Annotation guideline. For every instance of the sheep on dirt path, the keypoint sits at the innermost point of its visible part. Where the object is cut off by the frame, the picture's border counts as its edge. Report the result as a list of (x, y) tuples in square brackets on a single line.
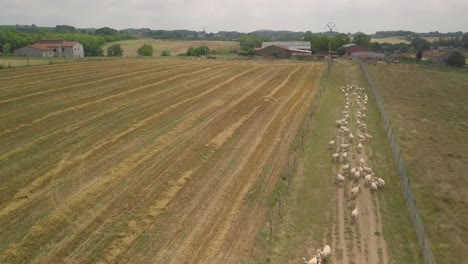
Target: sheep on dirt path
[(340, 179), (323, 254), (374, 187), (355, 191), (354, 214), (313, 260)]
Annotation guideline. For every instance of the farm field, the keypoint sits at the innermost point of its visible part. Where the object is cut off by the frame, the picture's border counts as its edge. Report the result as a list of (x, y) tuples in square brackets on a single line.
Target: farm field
[(316, 211), (144, 161), (429, 108), (175, 46), (391, 40)]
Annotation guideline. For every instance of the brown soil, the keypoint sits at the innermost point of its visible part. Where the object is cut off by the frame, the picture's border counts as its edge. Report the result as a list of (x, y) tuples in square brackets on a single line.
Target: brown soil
[(153, 165)]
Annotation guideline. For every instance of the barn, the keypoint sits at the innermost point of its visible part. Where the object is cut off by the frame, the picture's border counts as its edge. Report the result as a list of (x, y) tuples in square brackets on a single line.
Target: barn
[(351, 48), (435, 56), (283, 50)]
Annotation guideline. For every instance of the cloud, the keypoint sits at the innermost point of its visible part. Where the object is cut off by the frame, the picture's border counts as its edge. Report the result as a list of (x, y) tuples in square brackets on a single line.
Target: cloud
[(243, 15)]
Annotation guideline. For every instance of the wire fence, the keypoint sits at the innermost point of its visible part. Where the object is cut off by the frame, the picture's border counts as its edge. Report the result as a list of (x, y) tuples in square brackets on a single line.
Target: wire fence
[(402, 173)]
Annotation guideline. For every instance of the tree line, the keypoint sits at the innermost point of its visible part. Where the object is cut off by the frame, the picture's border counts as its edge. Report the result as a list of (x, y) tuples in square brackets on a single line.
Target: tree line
[(12, 38)]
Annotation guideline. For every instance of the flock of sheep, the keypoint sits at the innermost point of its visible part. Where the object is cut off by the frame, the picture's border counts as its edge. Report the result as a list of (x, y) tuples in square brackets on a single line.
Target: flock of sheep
[(344, 144), (347, 151)]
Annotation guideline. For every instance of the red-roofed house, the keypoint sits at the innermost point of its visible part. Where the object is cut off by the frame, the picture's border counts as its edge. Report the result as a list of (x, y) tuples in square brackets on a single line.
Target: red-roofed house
[(52, 48), (435, 56)]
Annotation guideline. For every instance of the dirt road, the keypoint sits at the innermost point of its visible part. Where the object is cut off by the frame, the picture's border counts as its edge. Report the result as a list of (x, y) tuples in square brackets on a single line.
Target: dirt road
[(360, 241)]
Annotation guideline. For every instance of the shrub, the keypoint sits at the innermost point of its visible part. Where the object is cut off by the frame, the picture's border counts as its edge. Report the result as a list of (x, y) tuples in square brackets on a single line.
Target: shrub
[(456, 59), (165, 53), (145, 50), (115, 51)]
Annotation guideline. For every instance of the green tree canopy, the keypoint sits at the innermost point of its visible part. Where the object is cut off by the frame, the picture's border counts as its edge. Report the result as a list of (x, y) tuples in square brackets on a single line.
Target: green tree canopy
[(106, 31), (456, 59), (115, 50), (251, 41), (362, 40), (421, 44), (6, 49), (145, 50)]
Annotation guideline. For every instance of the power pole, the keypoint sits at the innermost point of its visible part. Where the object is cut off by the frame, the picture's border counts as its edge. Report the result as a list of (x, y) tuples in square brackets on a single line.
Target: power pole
[(330, 26)]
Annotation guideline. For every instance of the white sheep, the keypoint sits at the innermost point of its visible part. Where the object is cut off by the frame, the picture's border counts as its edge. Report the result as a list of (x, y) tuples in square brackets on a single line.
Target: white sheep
[(323, 254), (353, 170), (357, 175), (359, 147), (336, 156), (361, 161), (344, 156), (366, 169), (346, 168), (368, 137), (340, 179), (374, 187), (354, 214), (368, 179), (351, 137), (313, 260), (380, 182), (355, 191), (332, 144), (345, 146)]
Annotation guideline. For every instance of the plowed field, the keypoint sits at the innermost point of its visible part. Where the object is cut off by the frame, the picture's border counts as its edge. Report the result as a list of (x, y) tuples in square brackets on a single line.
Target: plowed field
[(148, 161)]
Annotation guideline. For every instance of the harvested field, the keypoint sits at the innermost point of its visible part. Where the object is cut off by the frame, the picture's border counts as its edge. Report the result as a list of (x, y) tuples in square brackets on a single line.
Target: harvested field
[(428, 108), (144, 161), (175, 47)]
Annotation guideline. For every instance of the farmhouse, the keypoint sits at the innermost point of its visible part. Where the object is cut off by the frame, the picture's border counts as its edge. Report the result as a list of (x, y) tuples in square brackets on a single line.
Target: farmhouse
[(351, 48), (281, 52), (52, 48), (434, 56)]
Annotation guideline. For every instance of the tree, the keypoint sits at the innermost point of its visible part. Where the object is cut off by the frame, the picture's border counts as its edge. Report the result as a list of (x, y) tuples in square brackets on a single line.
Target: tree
[(202, 51), (362, 40), (6, 48), (251, 41), (464, 41), (420, 44), (456, 59), (145, 50), (115, 50), (65, 29), (419, 55), (106, 31), (165, 53)]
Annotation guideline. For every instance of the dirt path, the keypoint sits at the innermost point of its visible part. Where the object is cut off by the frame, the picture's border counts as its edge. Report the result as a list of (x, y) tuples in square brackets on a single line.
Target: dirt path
[(362, 241)]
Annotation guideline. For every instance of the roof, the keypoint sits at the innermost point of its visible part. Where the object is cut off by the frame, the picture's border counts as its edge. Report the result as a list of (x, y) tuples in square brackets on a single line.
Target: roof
[(301, 45), (433, 54), (286, 48), (349, 45), (48, 44)]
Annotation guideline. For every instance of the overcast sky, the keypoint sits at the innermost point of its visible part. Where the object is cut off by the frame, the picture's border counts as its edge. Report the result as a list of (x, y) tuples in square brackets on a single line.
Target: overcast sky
[(243, 15)]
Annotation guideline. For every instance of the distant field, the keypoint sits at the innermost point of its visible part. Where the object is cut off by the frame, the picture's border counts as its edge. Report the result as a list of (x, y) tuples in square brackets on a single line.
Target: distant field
[(429, 109), (395, 40), (175, 46), (144, 161), (392, 40)]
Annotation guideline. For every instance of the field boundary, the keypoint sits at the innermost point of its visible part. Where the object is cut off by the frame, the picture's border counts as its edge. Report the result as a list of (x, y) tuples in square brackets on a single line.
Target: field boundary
[(402, 172)]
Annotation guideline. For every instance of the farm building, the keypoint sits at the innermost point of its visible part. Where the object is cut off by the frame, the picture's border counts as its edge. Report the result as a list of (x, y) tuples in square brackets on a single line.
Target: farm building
[(369, 54), (52, 48), (293, 45), (281, 52), (434, 56), (351, 48)]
